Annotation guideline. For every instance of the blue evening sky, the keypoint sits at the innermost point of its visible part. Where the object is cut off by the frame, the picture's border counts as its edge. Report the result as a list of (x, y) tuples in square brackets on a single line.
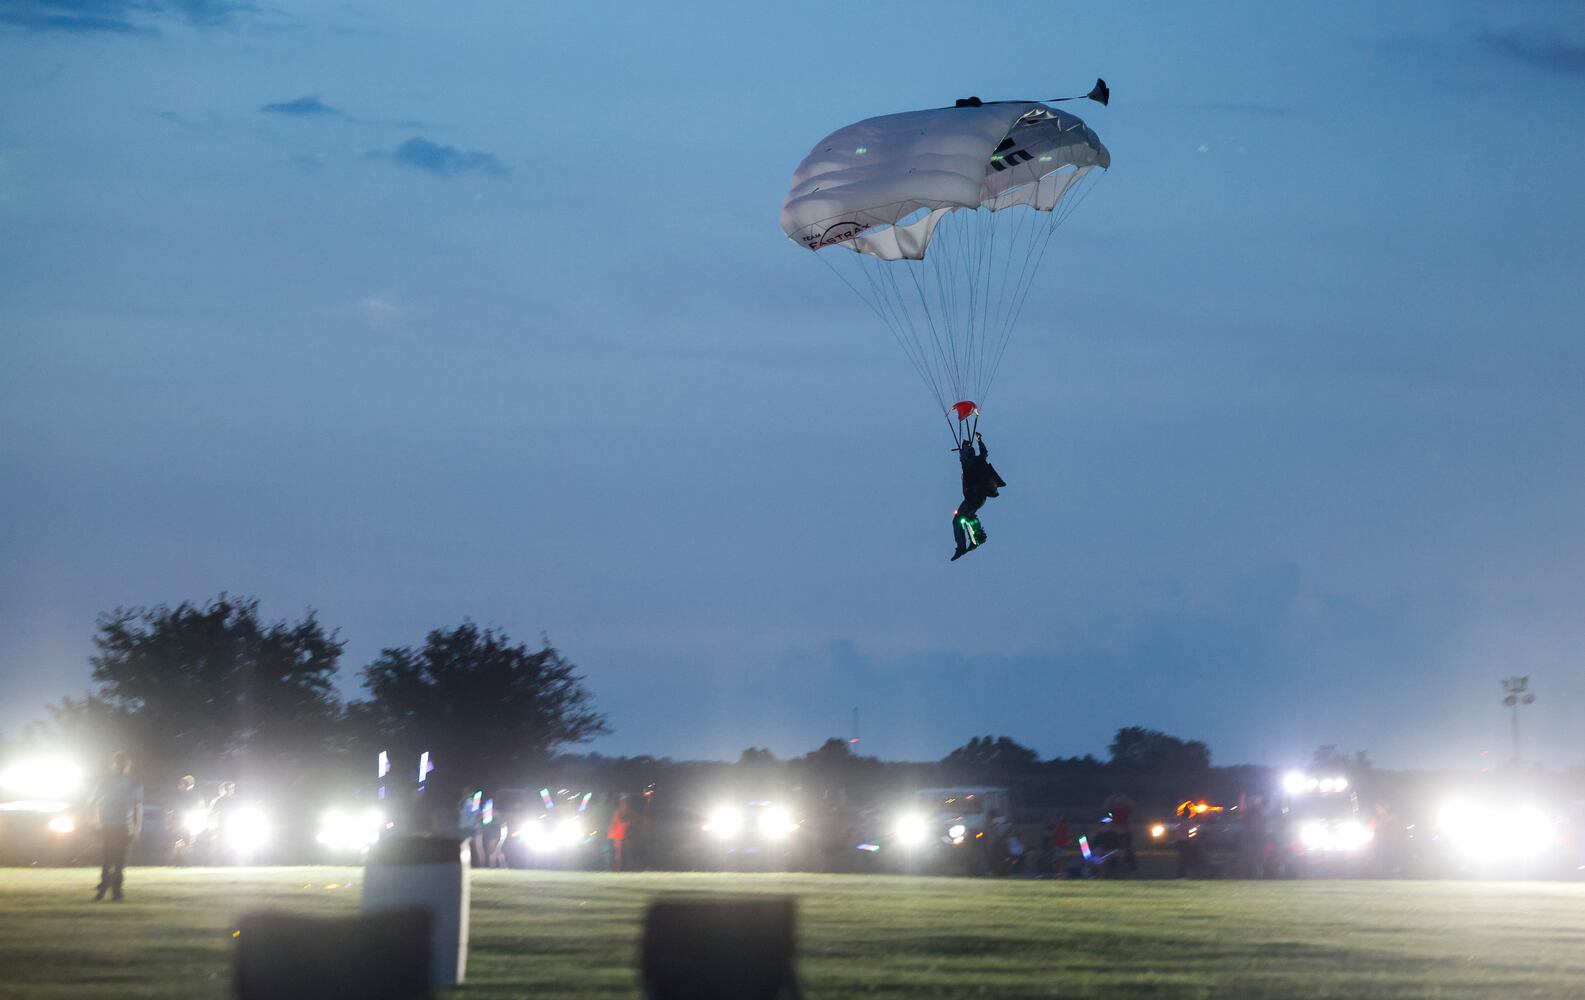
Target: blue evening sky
[(423, 311)]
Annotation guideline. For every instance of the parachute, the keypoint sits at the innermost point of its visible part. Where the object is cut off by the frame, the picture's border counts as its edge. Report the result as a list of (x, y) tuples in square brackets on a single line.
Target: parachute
[(941, 220)]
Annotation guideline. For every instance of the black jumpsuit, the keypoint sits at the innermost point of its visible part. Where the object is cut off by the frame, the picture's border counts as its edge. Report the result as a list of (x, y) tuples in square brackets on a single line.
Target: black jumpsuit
[(980, 482)]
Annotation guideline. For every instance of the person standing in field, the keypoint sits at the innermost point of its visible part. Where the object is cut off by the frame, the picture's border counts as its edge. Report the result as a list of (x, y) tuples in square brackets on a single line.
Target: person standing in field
[(188, 819), (117, 809), (617, 831), (470, 825)]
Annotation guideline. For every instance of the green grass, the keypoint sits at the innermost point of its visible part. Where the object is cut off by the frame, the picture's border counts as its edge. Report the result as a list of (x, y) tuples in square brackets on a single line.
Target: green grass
[(558, 934)]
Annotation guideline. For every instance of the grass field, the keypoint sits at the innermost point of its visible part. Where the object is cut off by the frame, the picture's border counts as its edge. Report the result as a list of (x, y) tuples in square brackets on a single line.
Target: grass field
[(555, 934)]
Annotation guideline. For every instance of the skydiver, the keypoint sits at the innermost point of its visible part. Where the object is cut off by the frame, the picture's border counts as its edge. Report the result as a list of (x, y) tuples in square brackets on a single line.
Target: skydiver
[(980, 482)]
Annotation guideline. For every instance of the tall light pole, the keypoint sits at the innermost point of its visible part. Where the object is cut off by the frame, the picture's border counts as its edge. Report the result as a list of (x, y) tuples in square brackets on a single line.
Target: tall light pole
[(1515, 693)]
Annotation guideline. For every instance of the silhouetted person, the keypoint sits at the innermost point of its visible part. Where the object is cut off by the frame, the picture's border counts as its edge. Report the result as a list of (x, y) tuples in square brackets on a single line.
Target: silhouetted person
[(1121, 809), (639, 845), (470, 825), (117, 809), (186, 810)]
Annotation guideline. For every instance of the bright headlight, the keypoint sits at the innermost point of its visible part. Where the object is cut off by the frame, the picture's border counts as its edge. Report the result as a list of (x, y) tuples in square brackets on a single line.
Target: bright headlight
[(1351, 835), (1456, 815), (538, 836), (1530, 832), (342, 831), (1313, 835), (725, 822), (43, 778), (62, 824), (776, 822), (911, 830), (247, 829), (1346, 835), (1293, 783), (195, 822), (570, 832), (1158, 830), (1469, 827), (957, 830)]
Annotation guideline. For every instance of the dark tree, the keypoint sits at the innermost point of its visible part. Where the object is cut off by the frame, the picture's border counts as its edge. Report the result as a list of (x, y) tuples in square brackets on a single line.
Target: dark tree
[(1000, 752), (91, 728), (195, 685), (756, 757), (1140, 749), (834, 752), (486, 708)]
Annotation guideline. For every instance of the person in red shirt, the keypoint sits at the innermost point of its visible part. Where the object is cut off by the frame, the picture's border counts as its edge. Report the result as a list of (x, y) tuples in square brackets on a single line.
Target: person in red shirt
[(616, 832)]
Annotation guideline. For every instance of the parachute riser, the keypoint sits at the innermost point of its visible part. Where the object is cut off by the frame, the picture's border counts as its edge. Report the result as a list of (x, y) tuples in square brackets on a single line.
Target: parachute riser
[(958, 437)]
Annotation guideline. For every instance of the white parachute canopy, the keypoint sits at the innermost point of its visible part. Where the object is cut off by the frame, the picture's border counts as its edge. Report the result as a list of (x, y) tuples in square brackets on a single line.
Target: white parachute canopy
[(920, 200)]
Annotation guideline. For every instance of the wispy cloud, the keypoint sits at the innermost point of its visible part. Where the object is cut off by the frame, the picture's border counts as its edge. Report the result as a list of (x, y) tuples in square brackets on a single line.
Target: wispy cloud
[(444, 161), (115, 17), (208, 13), (78, 17), (380, 311), (1544, 50), (209, 123), (308, 106)]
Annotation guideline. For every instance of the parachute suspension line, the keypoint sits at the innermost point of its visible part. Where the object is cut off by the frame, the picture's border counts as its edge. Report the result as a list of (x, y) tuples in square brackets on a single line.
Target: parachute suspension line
[(937, 317), (924, 305), (885, 278), (990, 299), (1063, 212), (873, 303), (982, 274), (987, 297), (1027, 271), (1017, 242), (974, 248), (942, 263), (942, 267), (986, 300), (973, 245), (931, 268), (1029, 231), (944, 288)]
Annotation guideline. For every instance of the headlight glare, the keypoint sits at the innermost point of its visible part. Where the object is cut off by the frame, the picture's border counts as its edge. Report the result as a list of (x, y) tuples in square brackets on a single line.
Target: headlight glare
[(776, 822), (247, 829), (195, 822), (911, 830), (537, 834), (570, 832), (725, 822)]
